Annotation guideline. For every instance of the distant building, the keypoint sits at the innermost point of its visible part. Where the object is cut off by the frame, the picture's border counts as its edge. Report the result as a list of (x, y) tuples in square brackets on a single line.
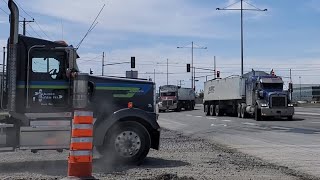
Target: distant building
[(306, 92)]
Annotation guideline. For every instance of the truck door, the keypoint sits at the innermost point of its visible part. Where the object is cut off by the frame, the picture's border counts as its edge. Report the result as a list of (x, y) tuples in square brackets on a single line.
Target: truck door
[(49, 87)]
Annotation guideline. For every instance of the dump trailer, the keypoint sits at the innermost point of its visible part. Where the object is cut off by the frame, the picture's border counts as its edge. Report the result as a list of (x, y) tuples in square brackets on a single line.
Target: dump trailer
[(175, 98), (43, 88), (257, 94)]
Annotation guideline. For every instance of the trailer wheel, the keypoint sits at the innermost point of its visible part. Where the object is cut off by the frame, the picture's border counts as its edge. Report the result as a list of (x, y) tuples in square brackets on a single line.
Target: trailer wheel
[(239, 110), (257, 114), (126, 143), (178, 108), (207, 110), (212, 112), (218, 110)]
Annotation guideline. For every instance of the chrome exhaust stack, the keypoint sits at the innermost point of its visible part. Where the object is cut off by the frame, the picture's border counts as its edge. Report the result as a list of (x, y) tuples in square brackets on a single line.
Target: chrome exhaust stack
[(12, 56)]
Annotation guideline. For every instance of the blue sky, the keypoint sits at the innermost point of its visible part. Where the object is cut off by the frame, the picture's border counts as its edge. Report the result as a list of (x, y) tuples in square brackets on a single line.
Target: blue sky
[(284, 37)]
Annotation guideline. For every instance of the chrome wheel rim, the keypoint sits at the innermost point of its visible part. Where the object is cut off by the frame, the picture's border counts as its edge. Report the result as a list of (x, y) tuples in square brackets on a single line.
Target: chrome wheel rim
[(127, 143)]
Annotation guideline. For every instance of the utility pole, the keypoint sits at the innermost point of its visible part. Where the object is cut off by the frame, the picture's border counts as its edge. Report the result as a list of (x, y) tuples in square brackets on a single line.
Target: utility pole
[(215, 67), (154, 75), (192, 76), (24, 23), (102, 64), (2, 77), (180, 82), (192, 72), (292, 86), (241, 20), (167, 71), (300, 86)]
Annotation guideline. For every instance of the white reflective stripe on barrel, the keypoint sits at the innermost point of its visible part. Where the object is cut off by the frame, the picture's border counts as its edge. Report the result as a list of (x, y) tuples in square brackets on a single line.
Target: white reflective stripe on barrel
[(80, 153), (82, 126), (81, 139), (83, 113)]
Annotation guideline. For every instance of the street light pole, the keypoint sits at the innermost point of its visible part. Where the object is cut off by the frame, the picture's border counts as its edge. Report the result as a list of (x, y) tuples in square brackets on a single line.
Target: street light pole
[(192, 80), (192, 70), (300, 86), (241, 19), (167, 71), (241, 38)]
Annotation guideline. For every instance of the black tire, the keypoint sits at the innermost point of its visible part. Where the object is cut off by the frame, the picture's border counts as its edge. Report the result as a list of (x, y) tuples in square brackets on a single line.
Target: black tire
[(243, 111), (217, 110), (257, 114), (212, 113), (239, 111), (178, 109), (112, 155), (290, 118), (207, 110)]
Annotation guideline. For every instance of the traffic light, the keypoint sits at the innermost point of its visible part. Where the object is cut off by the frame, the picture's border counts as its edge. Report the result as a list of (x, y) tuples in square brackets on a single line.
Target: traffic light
[(188, 67), (133, 62), (91, 72), (218, 74), (290, 87)]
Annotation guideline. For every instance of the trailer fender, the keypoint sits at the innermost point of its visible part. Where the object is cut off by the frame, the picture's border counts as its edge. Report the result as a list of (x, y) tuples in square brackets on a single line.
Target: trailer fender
[(148, 120)]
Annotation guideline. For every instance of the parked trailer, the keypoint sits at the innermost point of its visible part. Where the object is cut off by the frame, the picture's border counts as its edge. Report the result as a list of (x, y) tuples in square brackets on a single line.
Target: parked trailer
[(175, 98), (43, 88), (257, 94)]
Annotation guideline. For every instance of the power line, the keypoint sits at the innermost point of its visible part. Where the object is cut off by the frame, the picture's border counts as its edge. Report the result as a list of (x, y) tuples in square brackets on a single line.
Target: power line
[(34, 31), (4, 11), (33, 20)]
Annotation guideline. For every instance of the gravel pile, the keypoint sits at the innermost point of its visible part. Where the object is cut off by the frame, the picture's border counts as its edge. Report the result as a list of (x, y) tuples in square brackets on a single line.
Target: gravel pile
[(180, 158)]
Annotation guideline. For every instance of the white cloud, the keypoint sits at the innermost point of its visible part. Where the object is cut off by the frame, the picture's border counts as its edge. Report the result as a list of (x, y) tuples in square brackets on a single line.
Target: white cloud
[(166, 17)]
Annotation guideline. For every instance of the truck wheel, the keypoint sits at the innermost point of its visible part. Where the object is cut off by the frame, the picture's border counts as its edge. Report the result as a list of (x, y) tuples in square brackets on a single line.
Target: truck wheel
[(178, 108), (290, 118), (243, 111), (257, 114), (212, 112), (126, 143), (218, 111), (239, 110), (207, 110)]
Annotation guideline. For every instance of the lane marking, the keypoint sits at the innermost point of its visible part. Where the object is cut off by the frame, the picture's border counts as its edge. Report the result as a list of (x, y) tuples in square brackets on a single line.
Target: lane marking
[(226, 120), (307, 113), (188, 115), (198, 116), (170, 121), (212, 118), (314, 122), (282, 128), (218, 125), (251, 124)]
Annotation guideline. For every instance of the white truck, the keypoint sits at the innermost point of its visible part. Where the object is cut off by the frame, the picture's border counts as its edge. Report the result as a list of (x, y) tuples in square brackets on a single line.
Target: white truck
[(257, 94), (175, 98)]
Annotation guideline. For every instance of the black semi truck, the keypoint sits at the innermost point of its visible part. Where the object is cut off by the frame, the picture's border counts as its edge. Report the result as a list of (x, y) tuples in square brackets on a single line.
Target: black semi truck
[(43, 86)]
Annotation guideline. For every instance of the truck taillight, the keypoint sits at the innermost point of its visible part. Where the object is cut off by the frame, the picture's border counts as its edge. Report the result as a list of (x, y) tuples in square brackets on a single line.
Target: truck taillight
[(130, 105)]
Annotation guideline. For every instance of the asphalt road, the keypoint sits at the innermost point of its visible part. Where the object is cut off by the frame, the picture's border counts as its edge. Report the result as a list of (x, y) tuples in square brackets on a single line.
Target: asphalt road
[(293, 144)]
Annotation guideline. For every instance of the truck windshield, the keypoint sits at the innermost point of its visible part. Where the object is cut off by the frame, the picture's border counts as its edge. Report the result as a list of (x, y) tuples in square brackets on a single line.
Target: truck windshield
[(272, 86), (168, 94)]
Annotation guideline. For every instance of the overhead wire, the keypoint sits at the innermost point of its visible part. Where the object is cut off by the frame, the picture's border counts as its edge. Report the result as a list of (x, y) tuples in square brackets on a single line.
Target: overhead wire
[(34, 31), (43, 32)]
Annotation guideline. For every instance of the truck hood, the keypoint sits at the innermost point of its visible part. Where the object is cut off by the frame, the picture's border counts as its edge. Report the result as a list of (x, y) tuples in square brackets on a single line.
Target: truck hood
[(268, 92)]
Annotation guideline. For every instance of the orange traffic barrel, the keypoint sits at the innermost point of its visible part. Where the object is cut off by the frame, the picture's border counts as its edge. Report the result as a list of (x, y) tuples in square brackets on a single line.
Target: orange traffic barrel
[(81, 144)]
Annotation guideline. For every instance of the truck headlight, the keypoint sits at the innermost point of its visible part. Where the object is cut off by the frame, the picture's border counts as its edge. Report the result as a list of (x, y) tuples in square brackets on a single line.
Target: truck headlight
[(290, 105), (264, 105)]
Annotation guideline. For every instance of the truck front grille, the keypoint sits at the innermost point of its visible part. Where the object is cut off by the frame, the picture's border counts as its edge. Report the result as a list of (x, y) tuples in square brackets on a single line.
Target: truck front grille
[(278, 101), (167, 103)]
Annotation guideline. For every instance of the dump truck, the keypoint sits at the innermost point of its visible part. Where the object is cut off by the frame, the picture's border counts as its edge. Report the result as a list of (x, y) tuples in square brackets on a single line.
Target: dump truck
[(175, 98), (256, 93), (43, 86)]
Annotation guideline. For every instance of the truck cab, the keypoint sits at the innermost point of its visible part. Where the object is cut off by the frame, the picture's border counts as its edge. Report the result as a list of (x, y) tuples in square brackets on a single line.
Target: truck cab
[(43, 86), (266, 98)]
